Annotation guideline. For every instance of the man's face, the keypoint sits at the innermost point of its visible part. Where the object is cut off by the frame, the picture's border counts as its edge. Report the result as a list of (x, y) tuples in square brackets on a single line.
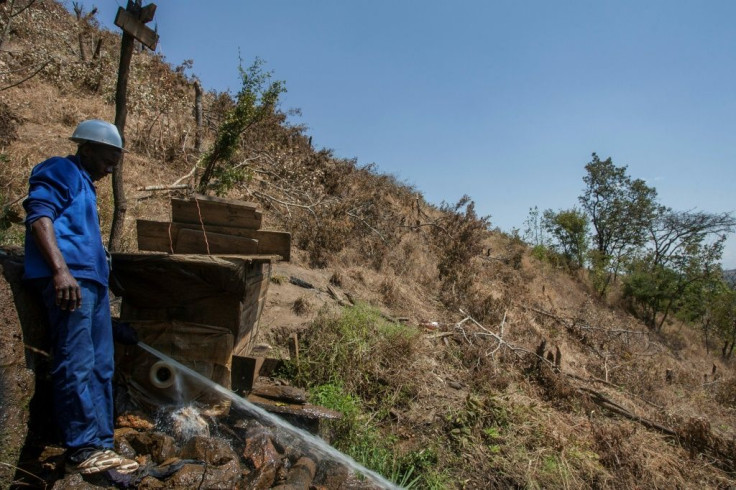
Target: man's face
[(99, 160)]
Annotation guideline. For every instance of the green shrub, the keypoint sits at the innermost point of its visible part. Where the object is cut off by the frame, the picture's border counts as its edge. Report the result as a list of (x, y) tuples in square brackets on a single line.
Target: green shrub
[(356, 362), (539, 252), (361, 351), (356, 436)]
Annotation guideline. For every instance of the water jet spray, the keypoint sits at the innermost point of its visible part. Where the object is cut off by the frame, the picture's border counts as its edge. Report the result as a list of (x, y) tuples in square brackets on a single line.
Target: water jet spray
[(175, 369)]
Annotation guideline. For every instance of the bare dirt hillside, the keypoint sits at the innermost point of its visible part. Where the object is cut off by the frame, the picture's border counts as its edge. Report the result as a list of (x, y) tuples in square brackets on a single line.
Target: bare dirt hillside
[(506, 371)]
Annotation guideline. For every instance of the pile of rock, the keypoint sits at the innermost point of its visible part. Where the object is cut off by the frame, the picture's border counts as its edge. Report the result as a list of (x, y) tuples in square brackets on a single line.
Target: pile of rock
[(239, 453)]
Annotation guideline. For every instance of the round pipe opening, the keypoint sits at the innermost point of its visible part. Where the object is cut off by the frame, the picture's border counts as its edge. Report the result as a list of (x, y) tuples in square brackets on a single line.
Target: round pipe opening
[(162, 375)]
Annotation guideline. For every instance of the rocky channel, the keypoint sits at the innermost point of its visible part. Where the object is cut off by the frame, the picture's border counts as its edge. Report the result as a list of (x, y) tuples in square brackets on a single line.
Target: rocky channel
[(177, 447)]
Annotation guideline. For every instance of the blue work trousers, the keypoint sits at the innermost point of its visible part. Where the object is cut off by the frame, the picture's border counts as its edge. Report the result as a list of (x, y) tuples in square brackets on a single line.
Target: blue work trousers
[(82, 367)]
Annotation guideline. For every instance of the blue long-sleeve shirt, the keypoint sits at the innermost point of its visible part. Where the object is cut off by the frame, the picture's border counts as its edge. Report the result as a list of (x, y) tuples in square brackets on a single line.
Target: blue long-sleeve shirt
[(62, 190)]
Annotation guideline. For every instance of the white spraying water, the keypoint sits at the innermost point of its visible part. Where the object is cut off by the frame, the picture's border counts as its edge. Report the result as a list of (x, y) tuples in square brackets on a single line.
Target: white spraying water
[(316, 443), (186, 422)]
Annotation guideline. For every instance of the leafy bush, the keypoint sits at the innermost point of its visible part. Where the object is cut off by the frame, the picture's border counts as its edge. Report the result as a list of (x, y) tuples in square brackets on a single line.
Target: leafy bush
[(357, 363), (361, 351), (458, 240), (256, 100), (354, 435)]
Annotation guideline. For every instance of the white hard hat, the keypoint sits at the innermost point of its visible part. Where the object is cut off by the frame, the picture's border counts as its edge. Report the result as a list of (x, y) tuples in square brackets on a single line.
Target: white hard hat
[(97, 131)]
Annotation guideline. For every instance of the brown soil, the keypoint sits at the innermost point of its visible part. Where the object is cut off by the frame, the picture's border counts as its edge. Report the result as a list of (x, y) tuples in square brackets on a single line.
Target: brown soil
[(595, 416)]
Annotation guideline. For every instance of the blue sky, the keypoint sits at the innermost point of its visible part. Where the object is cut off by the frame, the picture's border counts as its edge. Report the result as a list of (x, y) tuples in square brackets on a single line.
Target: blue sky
[(502, 100)]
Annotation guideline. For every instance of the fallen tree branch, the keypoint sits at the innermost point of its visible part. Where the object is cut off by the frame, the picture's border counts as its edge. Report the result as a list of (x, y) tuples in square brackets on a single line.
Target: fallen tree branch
[(617, 387), (163, 187), (8, 465), (187, 176), (309, 208), (27, 78), (603, 401), (498, 337), (582, 327), (367, 225)]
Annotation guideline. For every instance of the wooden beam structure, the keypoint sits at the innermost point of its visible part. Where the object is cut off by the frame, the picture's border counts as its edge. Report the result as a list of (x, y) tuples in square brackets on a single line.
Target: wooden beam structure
[(162, 236)]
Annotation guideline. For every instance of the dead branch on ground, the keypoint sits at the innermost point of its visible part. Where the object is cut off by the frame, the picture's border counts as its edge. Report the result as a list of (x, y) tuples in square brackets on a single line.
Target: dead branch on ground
[(28, 77), (501, 343), (164, 187), (574, 323), (355, 216), (604, 402), (11, 15)]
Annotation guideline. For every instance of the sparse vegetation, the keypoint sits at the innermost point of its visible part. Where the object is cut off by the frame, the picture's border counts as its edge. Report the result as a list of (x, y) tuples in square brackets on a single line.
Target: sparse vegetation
[(434, 403), (359, 336)]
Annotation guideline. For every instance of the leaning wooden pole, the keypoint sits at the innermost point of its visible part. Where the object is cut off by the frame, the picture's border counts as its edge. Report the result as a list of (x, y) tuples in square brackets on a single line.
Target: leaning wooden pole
[(198, 117), (131, 20), (121, 113)]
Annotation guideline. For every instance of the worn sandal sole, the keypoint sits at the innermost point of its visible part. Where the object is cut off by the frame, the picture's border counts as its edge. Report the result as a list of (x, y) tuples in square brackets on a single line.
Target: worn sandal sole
[(99, 461), (126, 465)]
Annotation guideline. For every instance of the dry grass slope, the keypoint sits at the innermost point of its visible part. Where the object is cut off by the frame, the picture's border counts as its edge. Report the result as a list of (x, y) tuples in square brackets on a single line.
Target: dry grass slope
[(537, 383)]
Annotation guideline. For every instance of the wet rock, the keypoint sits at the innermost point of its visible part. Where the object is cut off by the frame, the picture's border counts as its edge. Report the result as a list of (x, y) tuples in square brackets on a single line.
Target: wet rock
[(213, 451), (160, 446), (261, 455), (150, 483), (304, 416), (52, 459), (186, 422), (189, 476), (288, 394), (332, 475), (135, 420), (203, 476), (282, 471), (222, 468), (300, 475), (125, 433), (123, 448), (77, 482)]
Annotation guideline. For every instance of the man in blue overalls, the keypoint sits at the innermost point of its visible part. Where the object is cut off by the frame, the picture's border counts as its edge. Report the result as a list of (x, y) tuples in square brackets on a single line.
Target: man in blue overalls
[(66, 260)]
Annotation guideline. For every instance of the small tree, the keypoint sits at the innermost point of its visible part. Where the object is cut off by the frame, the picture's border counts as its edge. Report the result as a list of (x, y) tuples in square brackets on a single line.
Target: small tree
[(458, 238), (255, 101), (534, 229), (717, 307), (569, 228), (620, 209), (683, 255), (722, 308)]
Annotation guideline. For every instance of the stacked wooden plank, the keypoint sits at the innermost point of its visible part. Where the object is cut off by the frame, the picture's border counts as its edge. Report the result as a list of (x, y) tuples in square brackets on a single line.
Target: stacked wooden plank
[(221, 291), (212, 225), (208, 287)]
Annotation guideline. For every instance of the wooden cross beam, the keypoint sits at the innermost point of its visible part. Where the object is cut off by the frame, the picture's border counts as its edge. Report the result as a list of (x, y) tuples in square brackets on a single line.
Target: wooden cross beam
[(133, 19)]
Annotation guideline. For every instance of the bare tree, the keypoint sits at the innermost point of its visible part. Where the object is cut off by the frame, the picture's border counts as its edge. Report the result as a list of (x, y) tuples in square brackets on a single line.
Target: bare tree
[(11, 10), (83, 30)]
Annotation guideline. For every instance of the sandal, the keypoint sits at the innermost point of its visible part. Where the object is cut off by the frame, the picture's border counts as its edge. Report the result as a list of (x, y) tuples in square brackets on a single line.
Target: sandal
[(96, 461), (126, 465)]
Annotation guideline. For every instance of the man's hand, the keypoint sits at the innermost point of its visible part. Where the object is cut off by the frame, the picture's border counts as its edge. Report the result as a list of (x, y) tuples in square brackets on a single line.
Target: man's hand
[(68, 294)]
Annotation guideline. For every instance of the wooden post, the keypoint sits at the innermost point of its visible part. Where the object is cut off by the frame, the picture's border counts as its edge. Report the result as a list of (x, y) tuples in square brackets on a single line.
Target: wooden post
[(131, 31), (198, 130), (80, 30), (121, 114), (198, 116), (294, 347)]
